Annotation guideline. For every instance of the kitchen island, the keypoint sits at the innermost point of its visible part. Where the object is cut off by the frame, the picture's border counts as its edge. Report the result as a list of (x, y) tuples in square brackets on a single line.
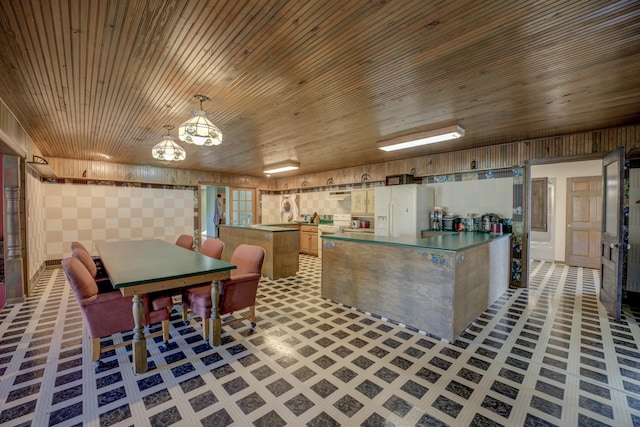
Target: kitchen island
[(438, 284), (281, 245)]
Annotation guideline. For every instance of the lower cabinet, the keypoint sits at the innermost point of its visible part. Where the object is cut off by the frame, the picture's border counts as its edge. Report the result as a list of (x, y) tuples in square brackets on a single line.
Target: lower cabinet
[(309, 240)]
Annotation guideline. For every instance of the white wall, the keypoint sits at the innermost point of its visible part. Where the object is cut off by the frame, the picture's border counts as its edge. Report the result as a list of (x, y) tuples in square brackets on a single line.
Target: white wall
[(36, 215), (478, 196), (562, 171)]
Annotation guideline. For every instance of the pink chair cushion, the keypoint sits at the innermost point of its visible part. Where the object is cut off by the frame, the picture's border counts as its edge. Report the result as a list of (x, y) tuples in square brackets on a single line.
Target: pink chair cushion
[(248, 258), (212, 248), (237, 292), (85, 258), (198, 300), (108, 313), (161, 302), (83, 284), (78, 245), (185, 241)]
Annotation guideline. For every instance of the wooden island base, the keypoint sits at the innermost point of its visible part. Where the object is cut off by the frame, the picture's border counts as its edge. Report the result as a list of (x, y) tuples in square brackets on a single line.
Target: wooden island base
[(281, 246), (419, 284)]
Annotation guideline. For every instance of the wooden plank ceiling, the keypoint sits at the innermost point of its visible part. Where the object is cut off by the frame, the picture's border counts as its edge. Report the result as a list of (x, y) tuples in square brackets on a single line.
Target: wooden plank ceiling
[(316, 81)]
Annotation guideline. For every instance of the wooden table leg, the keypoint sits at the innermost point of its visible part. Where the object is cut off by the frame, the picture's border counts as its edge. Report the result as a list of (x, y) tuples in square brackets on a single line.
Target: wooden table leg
[(215, 331), (139, 341)]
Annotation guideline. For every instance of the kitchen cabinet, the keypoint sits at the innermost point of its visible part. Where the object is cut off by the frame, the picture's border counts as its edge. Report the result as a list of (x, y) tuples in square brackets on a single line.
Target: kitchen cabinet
[(309, 239), (362, 202)]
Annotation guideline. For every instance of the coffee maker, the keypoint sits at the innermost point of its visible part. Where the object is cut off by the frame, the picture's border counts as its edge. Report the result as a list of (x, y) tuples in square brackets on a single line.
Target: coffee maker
[(436, 219)]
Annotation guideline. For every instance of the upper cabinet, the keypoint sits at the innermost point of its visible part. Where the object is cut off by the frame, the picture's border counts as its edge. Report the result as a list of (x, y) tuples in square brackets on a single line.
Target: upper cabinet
[(362, 202)]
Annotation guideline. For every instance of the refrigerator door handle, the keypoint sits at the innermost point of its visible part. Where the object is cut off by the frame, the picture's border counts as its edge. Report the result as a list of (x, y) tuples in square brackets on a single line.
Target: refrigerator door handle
[(390, 219)]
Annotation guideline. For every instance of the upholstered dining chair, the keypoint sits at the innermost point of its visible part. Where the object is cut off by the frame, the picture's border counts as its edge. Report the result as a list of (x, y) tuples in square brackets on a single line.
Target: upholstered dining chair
[(212, 248), (185, 241), (108, 313), (236, 293), (95, 269)]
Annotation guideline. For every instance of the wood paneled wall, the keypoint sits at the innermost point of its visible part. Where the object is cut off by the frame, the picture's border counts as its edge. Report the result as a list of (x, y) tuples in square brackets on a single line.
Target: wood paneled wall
[(485, 158), (68, 168)]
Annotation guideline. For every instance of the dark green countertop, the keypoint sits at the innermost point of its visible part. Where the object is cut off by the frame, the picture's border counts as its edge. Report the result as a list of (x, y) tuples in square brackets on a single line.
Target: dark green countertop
[(445, 241), (284, 224), (261, 227)]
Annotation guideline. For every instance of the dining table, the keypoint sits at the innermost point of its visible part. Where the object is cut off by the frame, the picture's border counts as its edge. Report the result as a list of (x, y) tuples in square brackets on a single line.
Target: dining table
[(138, 267)]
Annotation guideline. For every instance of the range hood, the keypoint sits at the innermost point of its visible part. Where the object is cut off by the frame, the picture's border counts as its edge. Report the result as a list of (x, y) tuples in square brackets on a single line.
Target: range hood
[(339, 195)]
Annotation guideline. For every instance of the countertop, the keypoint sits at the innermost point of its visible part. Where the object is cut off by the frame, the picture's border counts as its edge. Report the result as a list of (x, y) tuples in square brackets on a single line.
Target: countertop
[(445, 241), (262, 227), (284, 224)]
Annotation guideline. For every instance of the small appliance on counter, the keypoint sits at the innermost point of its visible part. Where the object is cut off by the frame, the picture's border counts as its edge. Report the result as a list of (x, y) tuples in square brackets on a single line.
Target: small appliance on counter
[(399, 179), (488, 219), (470, 222), (450, 222), (436, 218)]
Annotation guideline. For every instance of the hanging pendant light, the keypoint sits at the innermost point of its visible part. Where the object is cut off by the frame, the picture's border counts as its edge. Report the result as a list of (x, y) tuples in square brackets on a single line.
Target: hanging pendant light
[(168, 149), (198, 129)]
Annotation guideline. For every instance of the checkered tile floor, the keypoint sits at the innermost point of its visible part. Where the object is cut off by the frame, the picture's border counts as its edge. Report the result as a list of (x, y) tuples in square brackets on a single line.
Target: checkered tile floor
[(546, 356)]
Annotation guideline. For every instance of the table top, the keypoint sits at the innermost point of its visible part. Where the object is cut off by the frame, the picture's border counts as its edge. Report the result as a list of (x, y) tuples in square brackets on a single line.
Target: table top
[(137, 262)]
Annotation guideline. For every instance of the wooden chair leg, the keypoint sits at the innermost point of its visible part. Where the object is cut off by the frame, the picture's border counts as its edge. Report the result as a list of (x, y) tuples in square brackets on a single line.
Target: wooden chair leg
[(205, 328), (252, 316), (165, 331), (95, 349), (185, 313)]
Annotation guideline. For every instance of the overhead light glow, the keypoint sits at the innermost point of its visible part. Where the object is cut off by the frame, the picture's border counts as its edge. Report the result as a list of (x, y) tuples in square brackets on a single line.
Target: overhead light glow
[(423, 138), (285, 166)]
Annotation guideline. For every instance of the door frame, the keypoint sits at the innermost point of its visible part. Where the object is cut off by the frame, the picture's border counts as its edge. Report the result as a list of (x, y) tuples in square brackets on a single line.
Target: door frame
[(229, 188), (527, 202)]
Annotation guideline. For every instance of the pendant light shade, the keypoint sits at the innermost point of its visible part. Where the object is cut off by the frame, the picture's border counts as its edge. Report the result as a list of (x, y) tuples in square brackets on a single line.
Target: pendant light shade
[(168, 149), (198, 129)]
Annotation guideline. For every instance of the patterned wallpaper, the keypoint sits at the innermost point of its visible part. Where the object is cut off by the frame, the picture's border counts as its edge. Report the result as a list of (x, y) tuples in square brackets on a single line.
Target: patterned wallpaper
[(36, 244), (95, 213), (308, 203)]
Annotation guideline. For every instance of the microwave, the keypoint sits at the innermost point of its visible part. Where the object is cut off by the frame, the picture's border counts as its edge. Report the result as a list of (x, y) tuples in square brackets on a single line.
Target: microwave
[(399, 179)]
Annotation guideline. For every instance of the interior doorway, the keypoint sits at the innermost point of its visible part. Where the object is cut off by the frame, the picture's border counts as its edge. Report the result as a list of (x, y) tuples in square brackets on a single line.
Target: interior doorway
[(551, 245), (213, 200), (225, 205)]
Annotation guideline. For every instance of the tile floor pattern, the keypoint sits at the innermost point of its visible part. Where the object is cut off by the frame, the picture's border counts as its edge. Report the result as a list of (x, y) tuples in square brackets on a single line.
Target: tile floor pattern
[(546, 356)]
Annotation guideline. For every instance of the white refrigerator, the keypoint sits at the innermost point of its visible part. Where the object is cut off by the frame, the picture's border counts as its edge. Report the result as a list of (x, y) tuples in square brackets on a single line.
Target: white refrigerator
[(403, 210)]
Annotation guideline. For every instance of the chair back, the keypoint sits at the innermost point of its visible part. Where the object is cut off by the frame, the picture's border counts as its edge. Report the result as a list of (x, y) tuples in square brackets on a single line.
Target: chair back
[(85, 258), (83, 284), (78, 245), (212, 248), (185, 241), (248, 259)]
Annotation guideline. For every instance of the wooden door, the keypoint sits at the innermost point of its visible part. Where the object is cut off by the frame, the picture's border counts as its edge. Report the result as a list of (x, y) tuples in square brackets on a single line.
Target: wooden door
[(612, 236), (539, 191), (584, 221), (242, 206)]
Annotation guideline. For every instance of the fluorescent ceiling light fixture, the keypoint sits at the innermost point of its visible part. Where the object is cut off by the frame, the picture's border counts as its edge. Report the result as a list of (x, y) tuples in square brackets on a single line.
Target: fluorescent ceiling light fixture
[(285, 166), (415, 140)]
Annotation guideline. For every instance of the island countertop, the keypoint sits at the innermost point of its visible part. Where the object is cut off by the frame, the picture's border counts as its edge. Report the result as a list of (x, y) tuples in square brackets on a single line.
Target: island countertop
[(453, 241), (262, 227)]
